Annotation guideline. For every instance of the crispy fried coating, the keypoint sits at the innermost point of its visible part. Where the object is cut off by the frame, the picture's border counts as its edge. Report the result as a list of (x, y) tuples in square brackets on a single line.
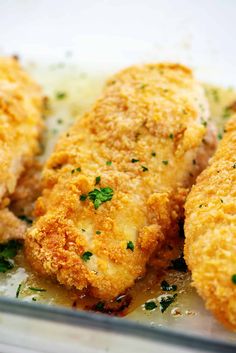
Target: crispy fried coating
[(143, 139), (210, 230), (21, 123)]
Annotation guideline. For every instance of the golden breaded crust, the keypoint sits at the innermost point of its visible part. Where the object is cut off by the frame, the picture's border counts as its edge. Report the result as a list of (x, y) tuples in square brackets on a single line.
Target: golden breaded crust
[(21, 123), (210, 230), (142, 138)]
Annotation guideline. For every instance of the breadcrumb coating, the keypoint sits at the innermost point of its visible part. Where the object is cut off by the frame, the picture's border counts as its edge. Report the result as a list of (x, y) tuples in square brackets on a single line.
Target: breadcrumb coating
[(21, 105), (140, 147), (210, 230)]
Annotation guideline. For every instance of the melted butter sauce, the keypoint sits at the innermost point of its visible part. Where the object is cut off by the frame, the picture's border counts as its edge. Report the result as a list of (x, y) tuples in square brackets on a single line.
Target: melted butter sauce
[(70, 93)]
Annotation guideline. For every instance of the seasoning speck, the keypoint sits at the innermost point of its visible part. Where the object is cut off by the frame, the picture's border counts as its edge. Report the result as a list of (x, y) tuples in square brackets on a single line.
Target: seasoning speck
[(150, 305), (130, 245)]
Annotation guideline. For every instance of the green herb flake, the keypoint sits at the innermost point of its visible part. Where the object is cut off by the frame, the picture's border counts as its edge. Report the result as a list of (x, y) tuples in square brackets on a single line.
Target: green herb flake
[(18, 290), (150, 305), (153, 154), (98, 232), (233, 278), (109, 163), (76, 170), (219, 136), (99, 196), (10, 249), (59, 121), (204, 123), (5, 265), (166, 301), (25, 219), (167, 287), (171, 136), (86, 256), (99, 306), (97, 180), (200, 206), (234, 165), (35, 289), (221, 201), (7, 252), (83, 197), (61, 95), (133, 160), (130, 245), (194, 161), (145, 169), (34, 299), (83, 230), (165, 162)]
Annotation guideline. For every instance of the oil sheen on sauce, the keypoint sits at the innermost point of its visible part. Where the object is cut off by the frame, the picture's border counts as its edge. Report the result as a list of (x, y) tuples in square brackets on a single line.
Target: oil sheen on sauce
[(70, 93)]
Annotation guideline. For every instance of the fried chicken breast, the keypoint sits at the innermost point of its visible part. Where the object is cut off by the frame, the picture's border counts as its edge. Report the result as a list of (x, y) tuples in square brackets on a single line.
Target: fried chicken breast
[(115, 185), (210, 230), (21, 123)]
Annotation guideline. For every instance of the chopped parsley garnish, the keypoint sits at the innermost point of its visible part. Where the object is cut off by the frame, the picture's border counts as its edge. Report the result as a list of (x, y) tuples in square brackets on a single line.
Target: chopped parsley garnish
[(76, 170), (234, 165), (83, 230), (34, 299), (109, 163), (99, 196), (204, 123), (150, 305), (83, 197), (165, 162), (153, 154), (7, 252), (25, 219), (99, 306), (145, 169), (86, 256), (130, 245), (18, 290), (59, 121), (221, 201), (60, 95), (219, 136), (233, 278), (98, 232), (166, 301), (179, 264), (200, 206), (37, 289), (167, 287), (133, 160), (97, 180), (5, 265), (171, 136)]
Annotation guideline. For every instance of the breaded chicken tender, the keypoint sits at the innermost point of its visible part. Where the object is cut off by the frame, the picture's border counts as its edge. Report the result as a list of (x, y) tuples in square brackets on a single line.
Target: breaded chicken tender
[(21, 124), (210, 231), (115, 185)]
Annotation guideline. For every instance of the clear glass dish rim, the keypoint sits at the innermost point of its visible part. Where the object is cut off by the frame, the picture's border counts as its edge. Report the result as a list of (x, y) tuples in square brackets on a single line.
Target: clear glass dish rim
[(92, 320)]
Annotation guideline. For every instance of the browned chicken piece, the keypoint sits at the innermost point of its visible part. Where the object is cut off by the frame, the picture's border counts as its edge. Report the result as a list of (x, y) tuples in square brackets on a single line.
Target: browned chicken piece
[(115, 186), (210, 230), (21, 123)]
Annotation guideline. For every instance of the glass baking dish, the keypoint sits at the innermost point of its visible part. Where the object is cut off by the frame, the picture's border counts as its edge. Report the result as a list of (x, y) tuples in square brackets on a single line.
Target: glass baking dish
[(28, 328), (154, 30)]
